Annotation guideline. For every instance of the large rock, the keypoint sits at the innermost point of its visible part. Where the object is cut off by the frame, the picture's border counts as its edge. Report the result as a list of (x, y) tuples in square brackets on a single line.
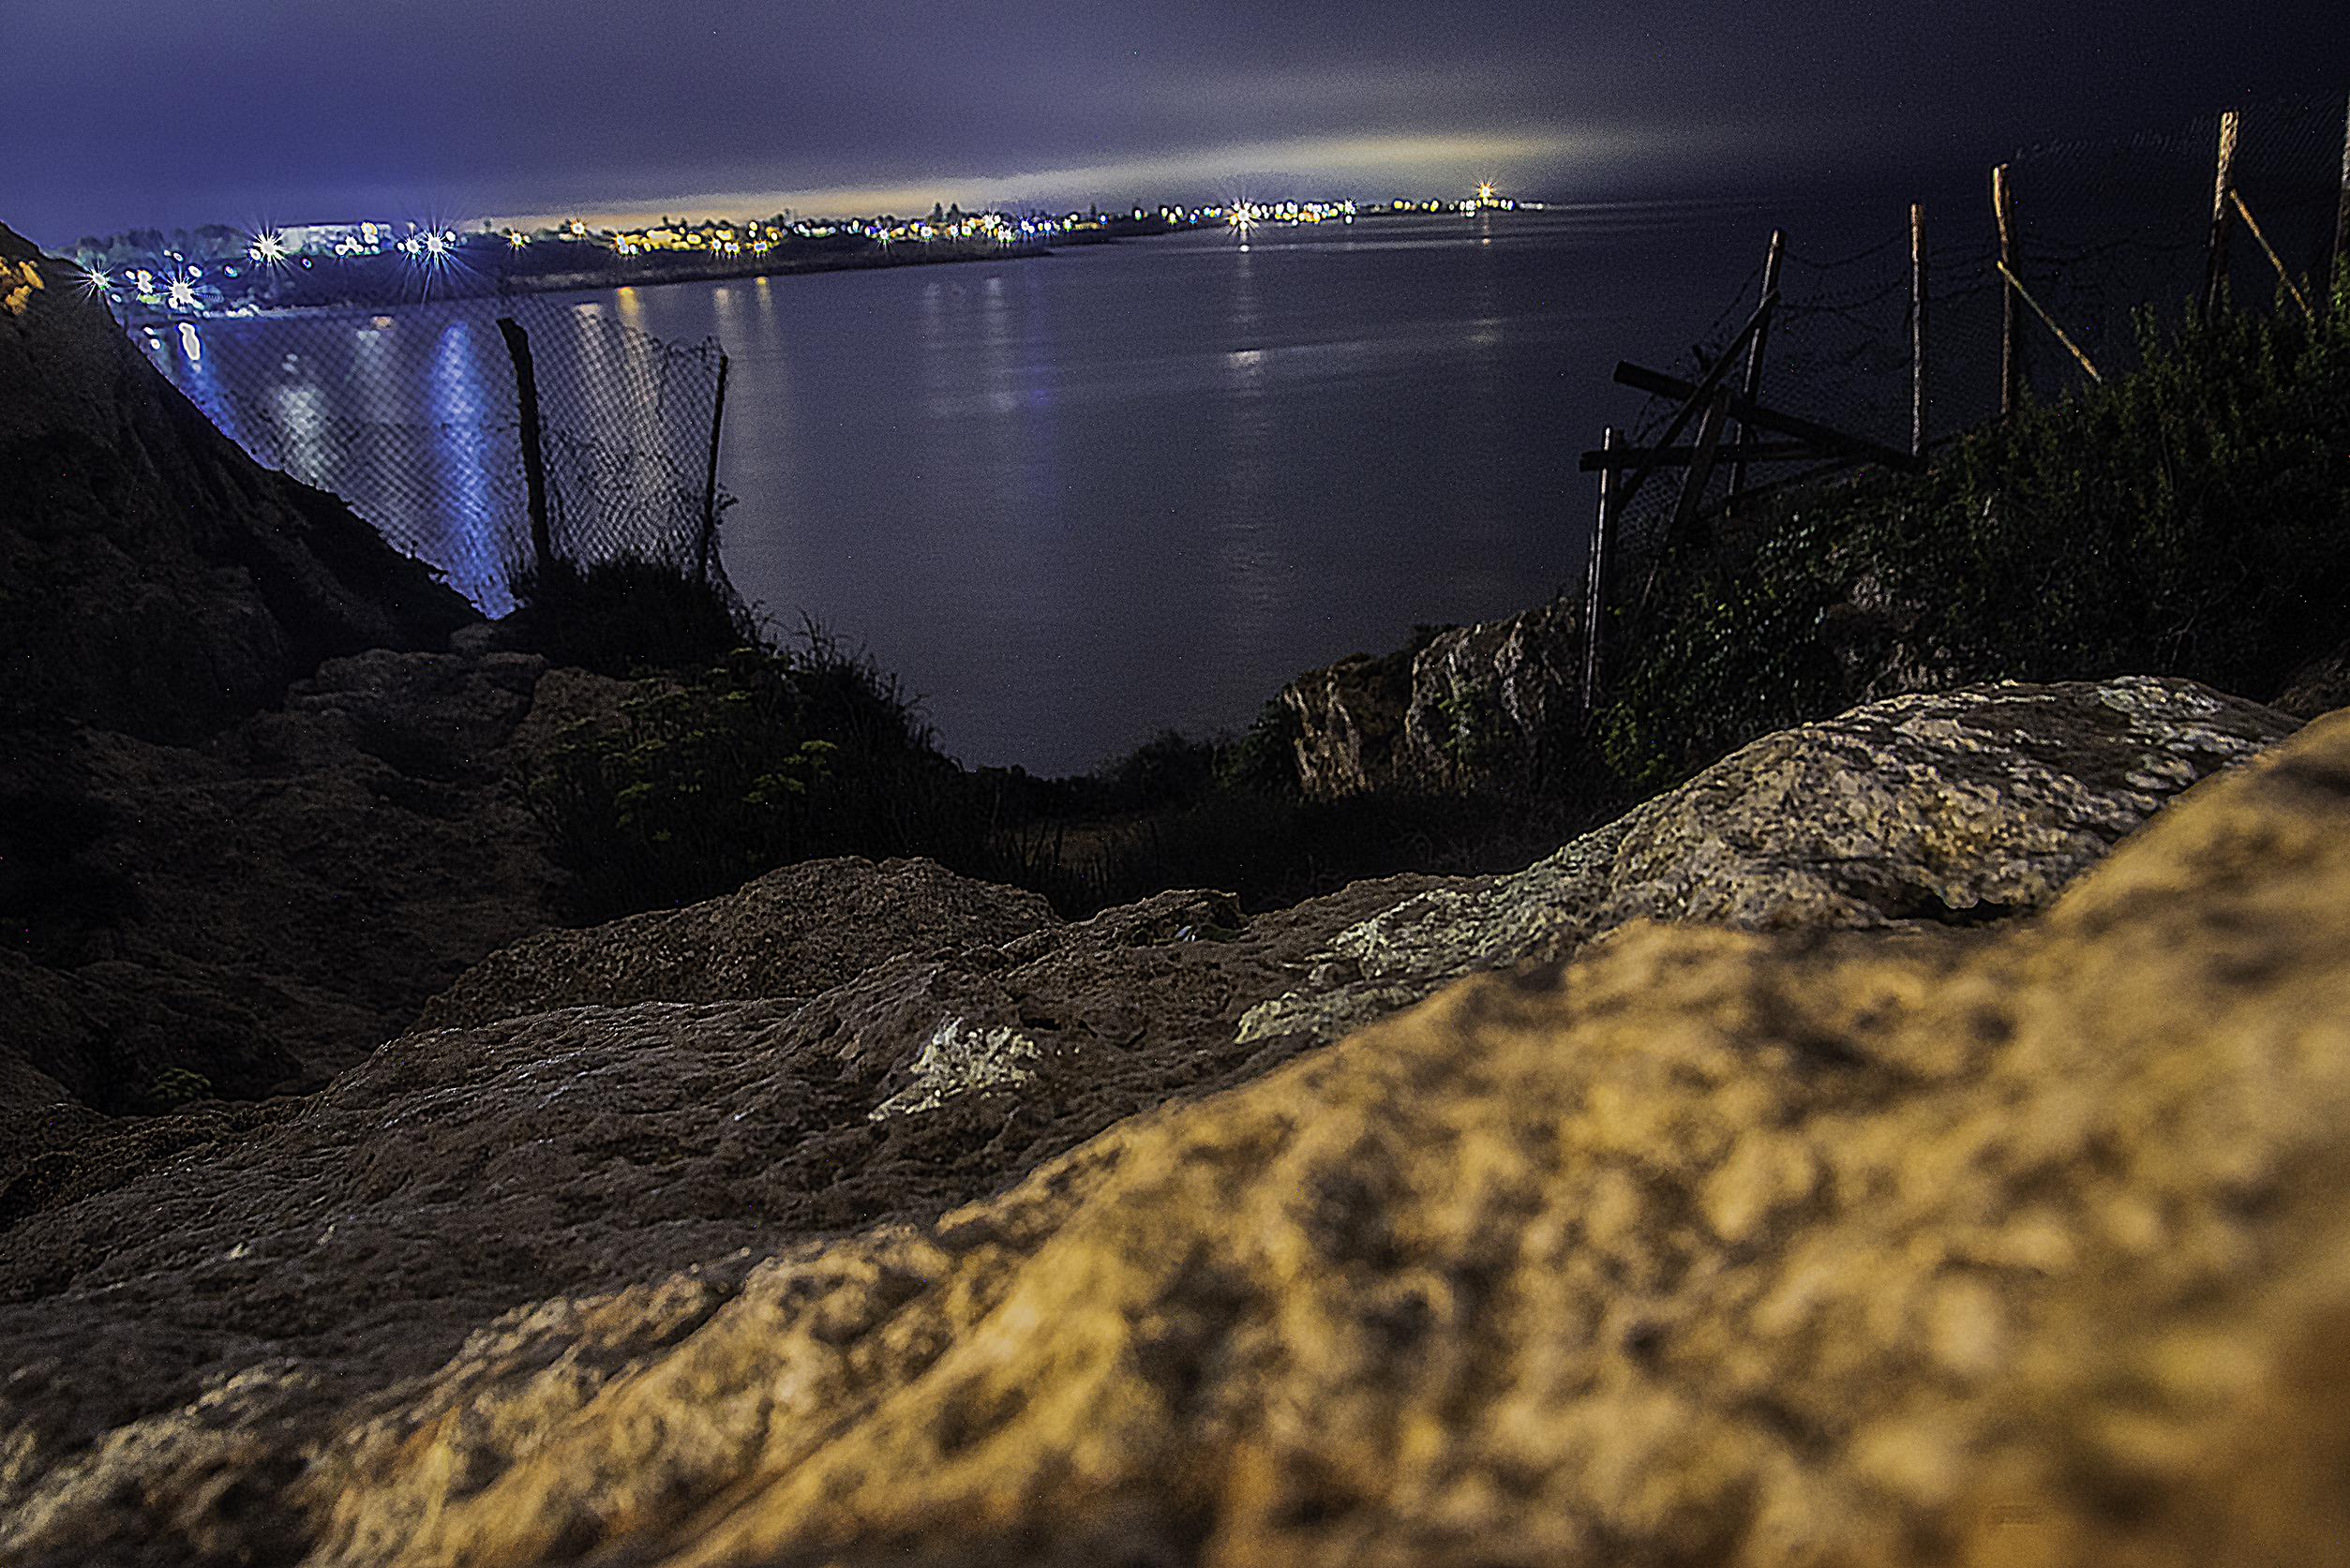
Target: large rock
[(1459, 710), (1492, 1279), (794, 932), (247, 917), (156, 580), (1718, 1247), (1946, 808)]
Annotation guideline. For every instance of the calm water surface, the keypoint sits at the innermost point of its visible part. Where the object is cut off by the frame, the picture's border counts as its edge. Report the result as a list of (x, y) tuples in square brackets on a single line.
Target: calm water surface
[(1076, 500)]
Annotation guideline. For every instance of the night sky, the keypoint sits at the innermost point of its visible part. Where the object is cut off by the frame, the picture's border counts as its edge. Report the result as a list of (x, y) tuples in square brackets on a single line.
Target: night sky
[(142, 113)]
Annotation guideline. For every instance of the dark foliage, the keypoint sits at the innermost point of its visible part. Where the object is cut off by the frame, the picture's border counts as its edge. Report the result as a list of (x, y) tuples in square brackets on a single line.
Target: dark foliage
[(617, 617), (760, 759), (2192, 518)]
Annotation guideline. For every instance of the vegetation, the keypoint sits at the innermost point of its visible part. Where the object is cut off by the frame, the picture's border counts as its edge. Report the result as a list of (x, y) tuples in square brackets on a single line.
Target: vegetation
[(619, 617), (760, 758), (2192, 518)]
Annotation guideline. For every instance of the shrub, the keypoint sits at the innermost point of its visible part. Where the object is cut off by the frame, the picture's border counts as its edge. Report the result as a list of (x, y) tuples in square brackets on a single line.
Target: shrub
[(762, 758), (619, 617), (2192, 518)]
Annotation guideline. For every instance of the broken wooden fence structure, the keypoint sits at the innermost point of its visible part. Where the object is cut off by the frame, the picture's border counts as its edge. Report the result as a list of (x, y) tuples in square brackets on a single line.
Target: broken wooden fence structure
[(1624, 469)]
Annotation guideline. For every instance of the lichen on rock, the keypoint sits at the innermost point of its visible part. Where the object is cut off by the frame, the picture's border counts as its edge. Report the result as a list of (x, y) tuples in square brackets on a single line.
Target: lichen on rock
[(958, 1059)]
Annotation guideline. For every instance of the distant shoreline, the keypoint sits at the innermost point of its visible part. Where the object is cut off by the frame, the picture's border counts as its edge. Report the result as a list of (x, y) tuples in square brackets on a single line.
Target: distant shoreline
[(388, 282)]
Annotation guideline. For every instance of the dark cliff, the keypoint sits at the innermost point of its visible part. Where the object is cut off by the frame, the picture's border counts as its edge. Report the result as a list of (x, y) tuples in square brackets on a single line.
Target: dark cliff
[(154, 579)]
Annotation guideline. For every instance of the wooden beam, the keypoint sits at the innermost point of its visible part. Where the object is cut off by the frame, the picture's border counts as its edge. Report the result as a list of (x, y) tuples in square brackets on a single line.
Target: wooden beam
[(1602, 460), (1702, 462), (2222, 186), (2038, 309), (710, 484), (1595, 593), (1695, 397), (1662, 385), (2253, 224), (2011, 308), (1917, 330), (1692, 491), (1751, 388), (526, 397)]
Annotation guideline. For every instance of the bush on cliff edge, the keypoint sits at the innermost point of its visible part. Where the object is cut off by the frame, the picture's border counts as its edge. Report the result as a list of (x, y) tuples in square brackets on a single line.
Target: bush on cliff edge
[(2192, 518), (761, 758)]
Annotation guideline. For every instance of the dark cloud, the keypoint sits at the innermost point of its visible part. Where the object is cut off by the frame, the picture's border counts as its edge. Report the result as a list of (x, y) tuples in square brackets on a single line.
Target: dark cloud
[(139, 112)]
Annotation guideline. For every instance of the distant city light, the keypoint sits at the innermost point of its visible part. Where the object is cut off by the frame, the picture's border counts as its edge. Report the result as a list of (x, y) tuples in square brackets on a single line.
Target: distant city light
[(180, 294), (269, 248)]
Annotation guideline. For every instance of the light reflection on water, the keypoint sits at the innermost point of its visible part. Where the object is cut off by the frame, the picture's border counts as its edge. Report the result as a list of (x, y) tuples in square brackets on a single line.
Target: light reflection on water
[(1076, 500)]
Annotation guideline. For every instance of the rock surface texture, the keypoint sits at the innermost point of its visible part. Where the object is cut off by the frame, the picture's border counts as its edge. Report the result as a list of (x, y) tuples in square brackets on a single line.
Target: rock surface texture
[(1931, 1238), (1462, 707), (157, 581), (255, 913), (253, 805)]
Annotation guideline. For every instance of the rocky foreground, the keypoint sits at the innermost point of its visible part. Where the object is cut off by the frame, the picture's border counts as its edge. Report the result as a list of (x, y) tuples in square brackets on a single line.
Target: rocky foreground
[(1840, 1159)]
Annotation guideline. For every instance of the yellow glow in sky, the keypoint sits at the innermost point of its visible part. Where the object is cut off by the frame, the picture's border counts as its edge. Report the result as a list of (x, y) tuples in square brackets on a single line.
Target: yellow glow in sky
[(1436, 164)]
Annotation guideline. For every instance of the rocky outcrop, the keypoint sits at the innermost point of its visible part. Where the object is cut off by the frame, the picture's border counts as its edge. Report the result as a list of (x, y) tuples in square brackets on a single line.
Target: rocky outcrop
[(247, 918), (253, 808), (1942, 809), (1718, 1247), (156, 581), (1349, 723), (1460, 708), (2317, 687), (795, 932), (1765, 1237)]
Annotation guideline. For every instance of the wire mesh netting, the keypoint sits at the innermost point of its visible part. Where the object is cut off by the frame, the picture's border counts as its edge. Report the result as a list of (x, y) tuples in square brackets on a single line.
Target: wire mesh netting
[(411, 416), (2111, 235)]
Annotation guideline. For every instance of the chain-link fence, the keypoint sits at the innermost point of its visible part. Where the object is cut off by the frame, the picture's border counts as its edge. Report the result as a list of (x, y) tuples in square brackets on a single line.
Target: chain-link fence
[(2100, 233), (411, 416)]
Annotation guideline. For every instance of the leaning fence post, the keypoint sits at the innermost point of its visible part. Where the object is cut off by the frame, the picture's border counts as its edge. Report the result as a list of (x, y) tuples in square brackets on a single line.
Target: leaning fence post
[(710, 484), (2010, 305), (1595, 592), (1917, 330), (2223, 187), (526, 397), (1752, 387), (2341, 206)]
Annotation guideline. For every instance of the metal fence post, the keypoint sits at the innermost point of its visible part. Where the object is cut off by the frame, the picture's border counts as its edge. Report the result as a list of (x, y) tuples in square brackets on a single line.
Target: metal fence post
[(710, 484), (525, 395)]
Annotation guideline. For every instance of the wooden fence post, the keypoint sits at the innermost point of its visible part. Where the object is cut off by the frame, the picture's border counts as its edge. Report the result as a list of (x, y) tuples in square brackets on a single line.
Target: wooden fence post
[(1595, 592), (2010, 305), (1917, 330), (2342, 208), (1752, 384), (2222, 186), (526, 397), (1700, 464), (710, 484)]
